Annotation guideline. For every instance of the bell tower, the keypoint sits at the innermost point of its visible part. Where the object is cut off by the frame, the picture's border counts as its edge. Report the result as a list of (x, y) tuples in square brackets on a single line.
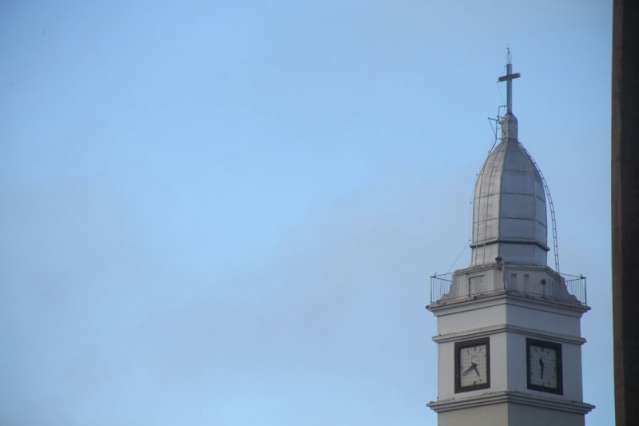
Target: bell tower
[(509, 336)]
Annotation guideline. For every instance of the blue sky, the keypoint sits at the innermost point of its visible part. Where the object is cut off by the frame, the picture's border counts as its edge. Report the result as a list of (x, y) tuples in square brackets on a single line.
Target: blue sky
[(226, 212)]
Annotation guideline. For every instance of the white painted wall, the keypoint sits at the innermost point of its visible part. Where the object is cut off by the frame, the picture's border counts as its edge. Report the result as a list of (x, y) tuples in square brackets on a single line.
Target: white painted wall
[(509, 415), (472, 319), (539, 319), (489, 415), (508, 349), (571, 365), (512, 312)]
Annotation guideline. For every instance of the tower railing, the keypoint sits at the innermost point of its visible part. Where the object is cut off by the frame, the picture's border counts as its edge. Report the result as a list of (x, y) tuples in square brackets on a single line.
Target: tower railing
[(574, 285), (440, 286), (577, 286)]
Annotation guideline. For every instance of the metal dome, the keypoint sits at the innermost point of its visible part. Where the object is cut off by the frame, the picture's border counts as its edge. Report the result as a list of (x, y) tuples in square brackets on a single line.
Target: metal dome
[(509, 205)]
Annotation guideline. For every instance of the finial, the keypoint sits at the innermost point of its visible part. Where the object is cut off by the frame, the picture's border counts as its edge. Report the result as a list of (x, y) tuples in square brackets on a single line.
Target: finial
[(509, 122), (508, 78)]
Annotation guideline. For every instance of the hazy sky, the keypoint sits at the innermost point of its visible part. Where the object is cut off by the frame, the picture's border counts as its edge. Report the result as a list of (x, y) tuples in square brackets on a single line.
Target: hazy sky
[(225, 213)]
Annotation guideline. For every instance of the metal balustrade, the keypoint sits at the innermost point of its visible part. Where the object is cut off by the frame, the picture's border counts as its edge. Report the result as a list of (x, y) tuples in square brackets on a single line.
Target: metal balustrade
[(577, 286), (440, 285), (570, 285)]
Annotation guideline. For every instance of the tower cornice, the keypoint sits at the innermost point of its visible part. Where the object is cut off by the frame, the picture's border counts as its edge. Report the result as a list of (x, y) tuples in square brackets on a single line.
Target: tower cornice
[(501, 297), (508, 328), (513, 397)]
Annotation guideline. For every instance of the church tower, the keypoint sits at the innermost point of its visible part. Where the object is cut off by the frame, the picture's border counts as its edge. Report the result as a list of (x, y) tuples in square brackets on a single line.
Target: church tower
[(509, 337)]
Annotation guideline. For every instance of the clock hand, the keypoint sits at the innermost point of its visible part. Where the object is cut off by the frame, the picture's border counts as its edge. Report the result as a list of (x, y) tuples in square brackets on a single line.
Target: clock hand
[(474, 367)]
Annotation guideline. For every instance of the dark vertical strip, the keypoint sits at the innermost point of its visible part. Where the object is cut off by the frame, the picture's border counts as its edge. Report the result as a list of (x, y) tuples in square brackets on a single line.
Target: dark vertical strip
[(625, 209)]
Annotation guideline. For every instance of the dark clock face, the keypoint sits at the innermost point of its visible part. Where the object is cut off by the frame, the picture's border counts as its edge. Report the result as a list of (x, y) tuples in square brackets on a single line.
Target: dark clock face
[(544, 366), (472, 365)]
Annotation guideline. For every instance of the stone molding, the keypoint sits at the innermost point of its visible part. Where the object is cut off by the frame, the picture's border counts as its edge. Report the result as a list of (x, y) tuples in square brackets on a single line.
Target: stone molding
[(507, 265), (507, 328), (510, 397), (506, 296), (510, 241)]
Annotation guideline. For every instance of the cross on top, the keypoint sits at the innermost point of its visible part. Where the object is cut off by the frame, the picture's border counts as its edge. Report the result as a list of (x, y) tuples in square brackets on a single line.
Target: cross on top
[(508, 78)]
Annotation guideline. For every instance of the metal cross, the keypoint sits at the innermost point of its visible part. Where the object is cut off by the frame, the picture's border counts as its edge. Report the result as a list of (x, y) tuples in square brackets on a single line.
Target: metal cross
[(508, 78)]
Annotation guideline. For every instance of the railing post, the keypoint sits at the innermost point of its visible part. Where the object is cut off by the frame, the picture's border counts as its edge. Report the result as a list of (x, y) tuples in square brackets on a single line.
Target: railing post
[(431, 289), (585, 290)]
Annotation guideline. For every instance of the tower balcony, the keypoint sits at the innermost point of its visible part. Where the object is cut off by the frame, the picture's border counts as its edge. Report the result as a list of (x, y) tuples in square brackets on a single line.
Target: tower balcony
[(531, 281)]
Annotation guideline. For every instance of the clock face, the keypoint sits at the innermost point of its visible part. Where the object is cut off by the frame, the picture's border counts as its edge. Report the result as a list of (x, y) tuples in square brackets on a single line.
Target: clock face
[(473, 365), (544, 366), (472, 369)]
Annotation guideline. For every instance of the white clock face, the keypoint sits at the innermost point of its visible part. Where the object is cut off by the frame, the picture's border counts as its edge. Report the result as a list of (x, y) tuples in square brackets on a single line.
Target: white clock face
[(542, 363), (473, 368)]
